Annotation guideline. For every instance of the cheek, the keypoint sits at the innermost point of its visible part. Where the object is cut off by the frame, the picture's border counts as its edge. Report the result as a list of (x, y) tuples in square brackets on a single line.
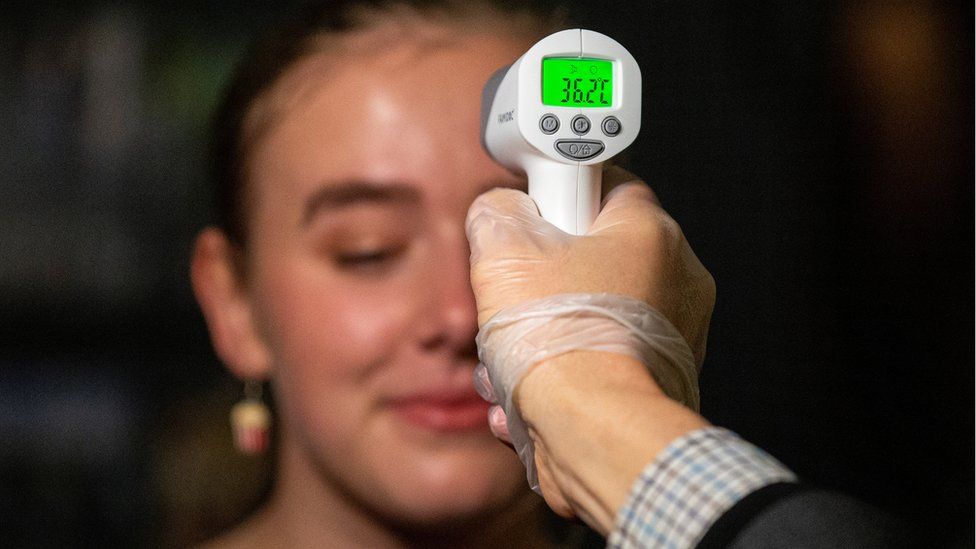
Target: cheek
[(327, 335), (312, 319)]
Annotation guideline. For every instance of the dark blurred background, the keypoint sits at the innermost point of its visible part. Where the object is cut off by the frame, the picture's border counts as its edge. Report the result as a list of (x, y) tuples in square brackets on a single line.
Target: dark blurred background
[(818, 155)]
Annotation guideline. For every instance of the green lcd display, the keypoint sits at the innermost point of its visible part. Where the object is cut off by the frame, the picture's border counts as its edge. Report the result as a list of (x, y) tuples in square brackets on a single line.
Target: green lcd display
[(576, 82)]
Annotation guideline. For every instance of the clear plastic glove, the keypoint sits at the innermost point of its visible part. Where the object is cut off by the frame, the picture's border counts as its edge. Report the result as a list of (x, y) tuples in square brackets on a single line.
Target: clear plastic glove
[(631, 285)]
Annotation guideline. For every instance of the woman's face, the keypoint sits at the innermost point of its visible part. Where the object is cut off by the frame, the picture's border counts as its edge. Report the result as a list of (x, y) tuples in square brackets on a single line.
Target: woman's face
[(358, 273)]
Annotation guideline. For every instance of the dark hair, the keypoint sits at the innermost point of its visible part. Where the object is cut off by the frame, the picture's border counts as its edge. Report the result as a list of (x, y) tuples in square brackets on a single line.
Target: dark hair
[(271, 56)]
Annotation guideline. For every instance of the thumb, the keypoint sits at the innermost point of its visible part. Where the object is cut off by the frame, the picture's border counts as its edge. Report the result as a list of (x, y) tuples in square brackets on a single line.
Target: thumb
[(626, 203), (615, 176)]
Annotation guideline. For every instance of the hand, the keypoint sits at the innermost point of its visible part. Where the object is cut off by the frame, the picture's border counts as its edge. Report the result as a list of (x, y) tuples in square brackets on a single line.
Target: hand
[(518, 257), (634, 249)]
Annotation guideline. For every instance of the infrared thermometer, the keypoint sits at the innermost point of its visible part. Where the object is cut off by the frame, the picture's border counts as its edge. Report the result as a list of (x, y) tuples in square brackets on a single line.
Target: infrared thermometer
[(569, 104)]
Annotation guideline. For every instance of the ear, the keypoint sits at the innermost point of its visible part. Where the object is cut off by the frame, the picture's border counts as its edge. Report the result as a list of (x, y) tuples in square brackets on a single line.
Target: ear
[(221, 293)]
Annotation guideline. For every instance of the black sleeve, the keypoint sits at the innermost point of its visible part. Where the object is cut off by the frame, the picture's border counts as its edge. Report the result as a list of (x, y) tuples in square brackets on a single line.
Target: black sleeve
[(799, 516)]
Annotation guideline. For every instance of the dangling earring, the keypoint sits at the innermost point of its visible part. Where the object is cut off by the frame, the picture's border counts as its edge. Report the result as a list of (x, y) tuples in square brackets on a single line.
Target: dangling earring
[(251, 421)]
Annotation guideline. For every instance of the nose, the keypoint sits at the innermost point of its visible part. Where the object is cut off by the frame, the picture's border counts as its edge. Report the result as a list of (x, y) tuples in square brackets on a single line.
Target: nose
[(451, 322)]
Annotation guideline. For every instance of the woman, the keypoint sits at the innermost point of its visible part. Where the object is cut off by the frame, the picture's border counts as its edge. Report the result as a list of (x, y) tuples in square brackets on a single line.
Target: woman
[(348, 153)]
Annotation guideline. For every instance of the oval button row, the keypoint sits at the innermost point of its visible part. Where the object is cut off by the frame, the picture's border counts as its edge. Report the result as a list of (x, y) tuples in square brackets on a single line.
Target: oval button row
[(580, 125)]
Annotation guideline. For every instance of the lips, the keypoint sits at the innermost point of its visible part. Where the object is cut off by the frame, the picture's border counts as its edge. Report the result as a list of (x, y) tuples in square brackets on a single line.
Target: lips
[(443, 412)]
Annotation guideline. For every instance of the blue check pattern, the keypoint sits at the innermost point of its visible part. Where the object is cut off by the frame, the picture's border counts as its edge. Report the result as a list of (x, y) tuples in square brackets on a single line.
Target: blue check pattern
[(696, 479)]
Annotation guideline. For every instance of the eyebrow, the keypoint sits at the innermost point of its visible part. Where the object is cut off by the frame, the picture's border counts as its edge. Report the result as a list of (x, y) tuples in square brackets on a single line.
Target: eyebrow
[(354, 192)]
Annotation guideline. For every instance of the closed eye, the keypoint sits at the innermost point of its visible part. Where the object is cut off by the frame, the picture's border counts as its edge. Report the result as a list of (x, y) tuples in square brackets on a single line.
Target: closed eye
[(363, 258), (371, 261)]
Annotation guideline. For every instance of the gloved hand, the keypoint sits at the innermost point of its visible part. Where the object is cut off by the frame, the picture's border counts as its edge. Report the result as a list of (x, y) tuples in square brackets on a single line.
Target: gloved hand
[(631, 285)]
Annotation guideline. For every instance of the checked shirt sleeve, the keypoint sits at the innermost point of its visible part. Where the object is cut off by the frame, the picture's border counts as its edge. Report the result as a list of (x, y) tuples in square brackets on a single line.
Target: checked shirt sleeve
[(689, 486)]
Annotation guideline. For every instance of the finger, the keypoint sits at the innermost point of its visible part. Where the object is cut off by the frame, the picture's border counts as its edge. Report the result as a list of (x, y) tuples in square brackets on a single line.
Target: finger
[(498, 423), (499, 221), (482, 384), (500, 203)]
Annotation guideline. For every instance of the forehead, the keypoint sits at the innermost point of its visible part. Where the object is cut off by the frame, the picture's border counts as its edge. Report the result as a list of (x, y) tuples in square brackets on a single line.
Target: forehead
[(384, 108)]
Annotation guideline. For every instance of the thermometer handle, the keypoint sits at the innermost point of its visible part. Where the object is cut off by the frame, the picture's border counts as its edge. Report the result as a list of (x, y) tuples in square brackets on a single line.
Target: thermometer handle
[(568, 195)]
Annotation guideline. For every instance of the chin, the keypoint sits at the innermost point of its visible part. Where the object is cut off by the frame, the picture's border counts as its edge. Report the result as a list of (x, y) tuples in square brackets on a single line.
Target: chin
[(456, 486)]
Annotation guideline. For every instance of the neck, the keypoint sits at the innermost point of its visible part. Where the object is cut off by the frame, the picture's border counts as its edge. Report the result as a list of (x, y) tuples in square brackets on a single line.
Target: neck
[(307, 510)]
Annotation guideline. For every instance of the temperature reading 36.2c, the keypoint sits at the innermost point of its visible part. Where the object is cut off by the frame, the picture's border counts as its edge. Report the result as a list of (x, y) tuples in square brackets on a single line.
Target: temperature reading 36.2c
[(575, 91), (574, 82)]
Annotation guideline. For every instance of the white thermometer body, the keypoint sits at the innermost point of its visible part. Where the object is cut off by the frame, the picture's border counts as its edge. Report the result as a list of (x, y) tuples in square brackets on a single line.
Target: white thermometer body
[(568, 105)]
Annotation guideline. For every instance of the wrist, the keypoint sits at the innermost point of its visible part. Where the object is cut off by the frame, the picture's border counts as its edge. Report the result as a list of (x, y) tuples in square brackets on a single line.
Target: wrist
[(577, 380), (601, 419)]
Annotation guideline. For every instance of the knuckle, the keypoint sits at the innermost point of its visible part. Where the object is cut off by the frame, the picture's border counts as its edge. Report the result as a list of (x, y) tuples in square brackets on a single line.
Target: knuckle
[(502, 197), (660, 230), (631, 192), (500, 202)]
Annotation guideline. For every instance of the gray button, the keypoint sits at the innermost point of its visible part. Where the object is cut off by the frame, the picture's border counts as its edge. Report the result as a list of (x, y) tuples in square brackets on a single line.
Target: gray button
[(579, 149), (611, 126), (548, 124), (581, 124)]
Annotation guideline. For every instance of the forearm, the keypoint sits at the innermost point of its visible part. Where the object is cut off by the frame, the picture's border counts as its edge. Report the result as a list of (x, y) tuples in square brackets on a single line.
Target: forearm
[(600, 419)]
